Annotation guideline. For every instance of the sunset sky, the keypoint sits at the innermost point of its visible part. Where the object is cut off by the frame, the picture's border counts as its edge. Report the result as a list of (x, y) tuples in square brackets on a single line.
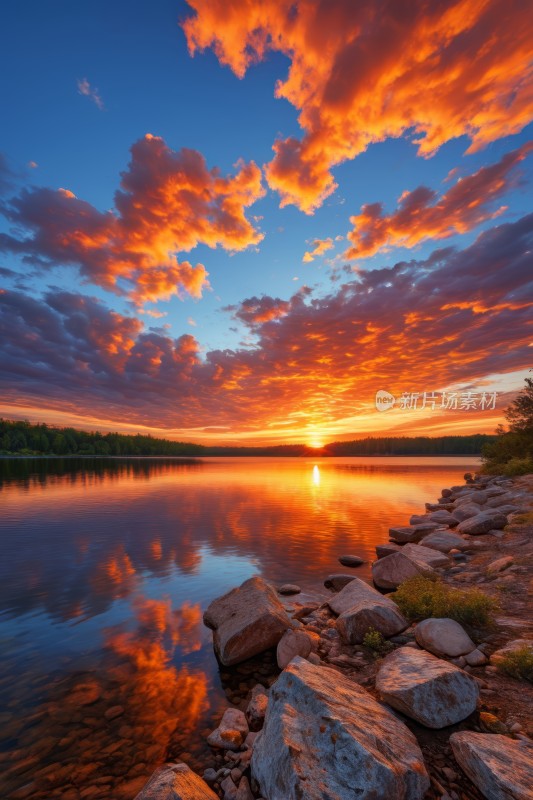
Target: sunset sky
[(232, 221)]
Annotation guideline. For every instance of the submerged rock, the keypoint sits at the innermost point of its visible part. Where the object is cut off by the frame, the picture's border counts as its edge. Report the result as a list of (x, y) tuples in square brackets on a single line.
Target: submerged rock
[(361, 607), (326, 737), (443, 637), (289, 588), (246, 621), (425, 688), (500, 767), (176, 782), (392, 570), (351, 561)]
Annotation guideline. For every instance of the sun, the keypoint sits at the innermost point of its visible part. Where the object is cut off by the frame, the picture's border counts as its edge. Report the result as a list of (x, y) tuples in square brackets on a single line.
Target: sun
[(315, 444)]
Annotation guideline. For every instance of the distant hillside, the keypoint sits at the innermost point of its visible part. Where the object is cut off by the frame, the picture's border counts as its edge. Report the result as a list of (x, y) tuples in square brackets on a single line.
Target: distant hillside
[(22, 438)]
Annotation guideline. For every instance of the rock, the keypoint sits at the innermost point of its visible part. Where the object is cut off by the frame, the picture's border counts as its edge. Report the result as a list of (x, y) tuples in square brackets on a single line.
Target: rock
[(412, 533), (444, 541), (418, 519), (482, 523), (476, 658), (465, 511), (425, 688), (246, 621), (337, 581), (351, 561), (289, 588), (210, 775), (392, 570), (231, 732), (291, 644), (229, 788), (244, 792), (326, 737), (500, 767), (114, 712), (446, 493), (499, 565), (175, 782), (443, 637), (256, 710), (383, 550), (479, 497), (361, 607), (443, 518), (430, 556)]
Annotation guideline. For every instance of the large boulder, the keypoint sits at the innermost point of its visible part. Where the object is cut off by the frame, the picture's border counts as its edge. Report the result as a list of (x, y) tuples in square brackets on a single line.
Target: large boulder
[(392, 570), (411, 533), (431, 557), (176, 782), (465, 511), (500, 767), (443, 637), (425, 688), (361, 607), (483, 523), (326, 737), (444, 541), (246, 621), (443, 518)]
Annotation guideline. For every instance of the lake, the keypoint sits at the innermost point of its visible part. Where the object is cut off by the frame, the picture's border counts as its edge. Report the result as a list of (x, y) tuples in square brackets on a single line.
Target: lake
[(107, 566)]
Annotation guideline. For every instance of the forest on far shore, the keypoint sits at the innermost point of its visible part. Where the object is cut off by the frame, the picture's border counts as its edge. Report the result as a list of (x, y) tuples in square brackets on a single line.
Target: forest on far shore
[(24, 439)]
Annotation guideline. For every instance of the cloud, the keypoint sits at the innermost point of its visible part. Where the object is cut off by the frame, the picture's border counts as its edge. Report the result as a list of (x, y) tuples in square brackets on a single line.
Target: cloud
[(364, 72), (423, 214), (168, 202), (320, 246), (456, 317), (85, 88)]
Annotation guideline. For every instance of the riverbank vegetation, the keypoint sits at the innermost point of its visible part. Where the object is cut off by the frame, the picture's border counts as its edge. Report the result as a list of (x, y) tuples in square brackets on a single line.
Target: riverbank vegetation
[(511, 452)]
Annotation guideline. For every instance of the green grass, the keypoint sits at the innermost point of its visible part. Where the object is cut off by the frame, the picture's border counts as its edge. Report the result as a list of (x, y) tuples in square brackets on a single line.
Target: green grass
[(524, 519), (518, 663), (514, 466), (419, 598)]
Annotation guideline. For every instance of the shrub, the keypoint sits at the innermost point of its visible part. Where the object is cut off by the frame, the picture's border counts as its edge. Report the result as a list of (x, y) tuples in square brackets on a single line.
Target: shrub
[(419, 598), (375, 641), (518, 663)]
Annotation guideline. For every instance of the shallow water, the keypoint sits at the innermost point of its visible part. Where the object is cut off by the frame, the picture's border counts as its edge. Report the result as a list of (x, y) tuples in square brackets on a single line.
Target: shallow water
[(106, 568)]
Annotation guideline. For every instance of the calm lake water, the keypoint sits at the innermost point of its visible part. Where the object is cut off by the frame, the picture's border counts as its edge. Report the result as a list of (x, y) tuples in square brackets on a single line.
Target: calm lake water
[(107, 565)]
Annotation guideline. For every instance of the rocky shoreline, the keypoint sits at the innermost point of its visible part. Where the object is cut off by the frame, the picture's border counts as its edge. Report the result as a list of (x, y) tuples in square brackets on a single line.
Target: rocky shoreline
[(354, 698)]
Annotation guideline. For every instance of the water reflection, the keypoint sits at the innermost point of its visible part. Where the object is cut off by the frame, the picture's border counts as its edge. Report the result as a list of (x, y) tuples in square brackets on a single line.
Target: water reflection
[(107, 565)]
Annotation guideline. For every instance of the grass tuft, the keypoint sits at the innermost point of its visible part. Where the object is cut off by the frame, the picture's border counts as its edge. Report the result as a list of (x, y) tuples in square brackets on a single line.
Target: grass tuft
[(518, 663), (376, 642), (419, 598)]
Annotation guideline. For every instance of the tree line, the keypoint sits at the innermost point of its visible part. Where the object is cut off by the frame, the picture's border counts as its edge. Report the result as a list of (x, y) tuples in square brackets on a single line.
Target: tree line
[(24, 438)]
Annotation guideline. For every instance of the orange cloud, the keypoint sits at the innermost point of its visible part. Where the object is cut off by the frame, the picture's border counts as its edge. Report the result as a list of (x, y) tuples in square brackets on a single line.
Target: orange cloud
[(364, 72), (422, 214), (168, 202), (320, 246)]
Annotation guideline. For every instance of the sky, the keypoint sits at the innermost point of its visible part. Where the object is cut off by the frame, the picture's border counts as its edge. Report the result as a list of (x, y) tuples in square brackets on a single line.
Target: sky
[(227, 221)]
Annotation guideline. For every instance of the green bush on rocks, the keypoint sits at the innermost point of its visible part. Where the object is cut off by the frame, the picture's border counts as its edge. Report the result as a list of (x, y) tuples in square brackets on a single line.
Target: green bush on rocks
[(419, 598)]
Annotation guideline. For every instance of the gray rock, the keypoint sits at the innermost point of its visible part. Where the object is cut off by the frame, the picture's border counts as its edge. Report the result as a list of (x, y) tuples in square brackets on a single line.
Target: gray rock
[(244, 792), (434, 558), (246, 621), (383, 550), (412, 533), (176, 782), (351, 561), (476, 658), (443, 637), (289, 588), (482, 523), (256, 709), (337, 581), (501, 768), (229, 788), (291, 644), (418, 519), (231, 732), (444, 541), (443, 518), (425, 688), (465, 511), (326, 737), (361, 607), (392, 570)]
